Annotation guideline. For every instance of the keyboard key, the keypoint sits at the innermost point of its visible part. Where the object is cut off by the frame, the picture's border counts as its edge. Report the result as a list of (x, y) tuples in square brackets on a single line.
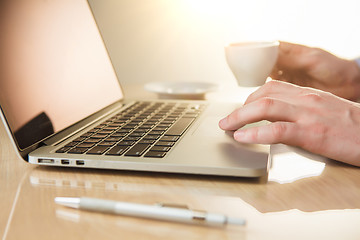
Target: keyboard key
[(160, 149), (145, 130), (169, 122), (147, 126), (155, 154), (79, 139), (155, 132), (136, 121), (92, 140), (86, 145), (123, 130), (147, 141), (104, 143), (118, 123), (152, 121), (164, 143), (99, 136), (63, 150), (113, 126), (151, 137), (169, 138), (113, 139), (178, 111), (129, 126), (137, 150), (98, 150), (160, 128), (130, 138), (117, 150), (126, 143), (72, 144), (137, 134), (122, 120), (78, 150), (88, 134), (170, 119), (105, 132), (164, 125), (100, 126), (94, 130), (119, 134)]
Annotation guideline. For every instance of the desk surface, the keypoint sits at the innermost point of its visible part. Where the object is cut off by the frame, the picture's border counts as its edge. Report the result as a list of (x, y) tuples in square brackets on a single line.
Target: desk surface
[(304, 197)]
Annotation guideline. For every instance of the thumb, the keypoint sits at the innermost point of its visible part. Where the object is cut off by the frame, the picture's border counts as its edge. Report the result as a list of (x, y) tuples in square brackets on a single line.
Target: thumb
[(291, 60), (290, 56)]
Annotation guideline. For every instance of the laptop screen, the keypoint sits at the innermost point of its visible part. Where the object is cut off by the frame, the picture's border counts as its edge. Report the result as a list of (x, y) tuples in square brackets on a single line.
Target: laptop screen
[(54, 68)]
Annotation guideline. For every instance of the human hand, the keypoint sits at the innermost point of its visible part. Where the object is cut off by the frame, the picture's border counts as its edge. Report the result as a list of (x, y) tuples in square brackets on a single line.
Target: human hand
[(317, 121), (314, 67)]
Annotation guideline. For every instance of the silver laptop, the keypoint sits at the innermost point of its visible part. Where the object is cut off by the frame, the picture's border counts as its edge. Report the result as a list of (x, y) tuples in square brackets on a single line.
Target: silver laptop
[(62, 104)]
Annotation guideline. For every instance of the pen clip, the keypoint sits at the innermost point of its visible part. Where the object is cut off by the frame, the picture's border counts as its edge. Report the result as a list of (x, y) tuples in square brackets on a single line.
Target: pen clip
[(173, 205), (198, 215)]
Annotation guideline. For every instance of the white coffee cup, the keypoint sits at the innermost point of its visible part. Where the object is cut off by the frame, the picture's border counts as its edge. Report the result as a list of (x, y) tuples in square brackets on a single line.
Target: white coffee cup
[(251, 62)]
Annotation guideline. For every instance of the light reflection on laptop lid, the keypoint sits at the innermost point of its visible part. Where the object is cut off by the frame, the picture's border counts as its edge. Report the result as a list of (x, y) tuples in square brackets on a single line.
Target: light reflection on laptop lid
[(54, 69)]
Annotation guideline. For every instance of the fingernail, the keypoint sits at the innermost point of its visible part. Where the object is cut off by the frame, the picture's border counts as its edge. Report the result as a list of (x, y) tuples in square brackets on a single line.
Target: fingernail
[(240, 135), (223, 122)]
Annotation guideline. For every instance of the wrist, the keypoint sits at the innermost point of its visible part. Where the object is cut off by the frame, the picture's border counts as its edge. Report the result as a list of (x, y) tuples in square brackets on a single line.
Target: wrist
[(353, 74)]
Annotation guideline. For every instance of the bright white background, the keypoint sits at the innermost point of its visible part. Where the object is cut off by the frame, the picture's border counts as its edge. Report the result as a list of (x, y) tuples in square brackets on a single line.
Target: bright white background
[(183, 40)]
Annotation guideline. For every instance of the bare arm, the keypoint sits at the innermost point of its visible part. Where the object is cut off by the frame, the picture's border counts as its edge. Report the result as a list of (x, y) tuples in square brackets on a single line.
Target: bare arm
[(314, 67)]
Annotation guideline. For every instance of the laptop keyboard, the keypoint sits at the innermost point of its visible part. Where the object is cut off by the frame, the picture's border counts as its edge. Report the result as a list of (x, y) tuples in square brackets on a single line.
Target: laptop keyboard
[(148, 129)]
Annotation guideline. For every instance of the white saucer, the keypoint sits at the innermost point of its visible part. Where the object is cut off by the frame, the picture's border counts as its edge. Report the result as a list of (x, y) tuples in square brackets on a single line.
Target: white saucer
[(181, 90)]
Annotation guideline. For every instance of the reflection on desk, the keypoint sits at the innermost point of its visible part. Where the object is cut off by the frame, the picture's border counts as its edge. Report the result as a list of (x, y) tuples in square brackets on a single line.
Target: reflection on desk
[(268, 207)]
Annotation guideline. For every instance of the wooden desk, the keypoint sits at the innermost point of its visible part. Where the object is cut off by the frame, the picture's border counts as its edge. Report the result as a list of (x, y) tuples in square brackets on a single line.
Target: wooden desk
[(304, 197)]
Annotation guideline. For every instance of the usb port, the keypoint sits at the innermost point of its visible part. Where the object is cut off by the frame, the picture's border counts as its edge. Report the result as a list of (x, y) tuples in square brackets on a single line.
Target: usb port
[(80, 162), (65, 162), (43, 160)]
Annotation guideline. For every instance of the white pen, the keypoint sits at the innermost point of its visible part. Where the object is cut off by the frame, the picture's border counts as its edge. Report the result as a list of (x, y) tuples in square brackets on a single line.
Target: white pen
[(158, 211)]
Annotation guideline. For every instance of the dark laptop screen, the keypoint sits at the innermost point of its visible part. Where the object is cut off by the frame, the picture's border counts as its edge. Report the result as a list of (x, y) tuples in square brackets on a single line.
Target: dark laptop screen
[(54, 68)]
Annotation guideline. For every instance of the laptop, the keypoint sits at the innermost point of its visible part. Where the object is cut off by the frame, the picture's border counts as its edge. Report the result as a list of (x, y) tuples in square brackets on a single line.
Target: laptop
[(62, 104)]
